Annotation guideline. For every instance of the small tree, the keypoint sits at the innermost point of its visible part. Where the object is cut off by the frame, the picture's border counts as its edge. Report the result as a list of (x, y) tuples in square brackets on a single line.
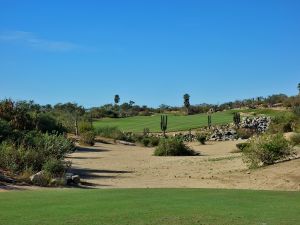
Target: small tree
[(186, 102)]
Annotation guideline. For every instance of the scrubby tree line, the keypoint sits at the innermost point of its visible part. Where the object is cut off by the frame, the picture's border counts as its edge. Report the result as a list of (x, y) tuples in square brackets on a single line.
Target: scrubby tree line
[(33, 138), (129, 109)]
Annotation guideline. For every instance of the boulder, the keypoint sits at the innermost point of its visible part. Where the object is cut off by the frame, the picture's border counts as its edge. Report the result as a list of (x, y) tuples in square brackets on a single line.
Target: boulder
[(76, 179), (68, 178), (39, 179)]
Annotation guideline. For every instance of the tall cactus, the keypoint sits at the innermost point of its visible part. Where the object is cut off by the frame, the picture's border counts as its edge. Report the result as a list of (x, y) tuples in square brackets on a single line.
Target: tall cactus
[(237, 119), (164, 123), (209, 121)]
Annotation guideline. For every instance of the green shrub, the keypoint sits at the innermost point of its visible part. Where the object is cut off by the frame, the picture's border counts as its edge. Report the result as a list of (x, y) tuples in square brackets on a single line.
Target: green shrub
[(108, 132), (244, 133), (54, 167), (32, 151), (173, 147), (154, 141), (282, 123), (242, 146), (87, 138), (84, 126), (47, 123), (5, 129), (266, 150), (201, 137), (43, 180), (295, 139), (146, 141)]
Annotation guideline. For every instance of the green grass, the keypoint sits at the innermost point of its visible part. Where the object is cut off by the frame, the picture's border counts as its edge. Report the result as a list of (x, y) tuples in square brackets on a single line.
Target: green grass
[(149, 206), (175, 122)]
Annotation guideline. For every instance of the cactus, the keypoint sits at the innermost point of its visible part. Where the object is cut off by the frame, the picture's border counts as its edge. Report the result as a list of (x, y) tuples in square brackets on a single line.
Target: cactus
[(146, 131), (209, 120), (237, 119), (164, 124)]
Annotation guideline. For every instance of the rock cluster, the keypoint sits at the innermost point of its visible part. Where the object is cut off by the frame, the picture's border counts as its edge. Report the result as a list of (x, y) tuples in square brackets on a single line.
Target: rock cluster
[(41, 179), (188, 137), (259, 124), (223, 134), (228, 132)]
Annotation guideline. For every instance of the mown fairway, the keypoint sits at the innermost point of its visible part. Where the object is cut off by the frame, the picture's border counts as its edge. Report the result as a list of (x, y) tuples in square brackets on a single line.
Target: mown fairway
[(149, 206), (175, 122)]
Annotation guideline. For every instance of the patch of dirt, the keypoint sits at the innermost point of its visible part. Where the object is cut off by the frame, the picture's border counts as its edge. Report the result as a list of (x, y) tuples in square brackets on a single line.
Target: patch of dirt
[(120, 166)]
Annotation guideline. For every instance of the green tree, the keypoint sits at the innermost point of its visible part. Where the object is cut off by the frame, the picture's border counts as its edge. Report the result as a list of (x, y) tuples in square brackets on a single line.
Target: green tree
[(299, 88), (186, 102)]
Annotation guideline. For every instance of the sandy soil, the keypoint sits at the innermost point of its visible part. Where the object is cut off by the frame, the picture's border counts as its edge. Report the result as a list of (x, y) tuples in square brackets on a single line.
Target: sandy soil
[(120, 166)]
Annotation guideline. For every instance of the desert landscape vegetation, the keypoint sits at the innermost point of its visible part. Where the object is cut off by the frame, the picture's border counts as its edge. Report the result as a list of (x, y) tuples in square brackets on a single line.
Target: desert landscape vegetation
[(149, 112)]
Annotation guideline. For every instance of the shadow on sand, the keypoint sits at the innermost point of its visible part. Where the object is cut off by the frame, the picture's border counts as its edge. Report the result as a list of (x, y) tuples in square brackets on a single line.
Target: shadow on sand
[(90, 149)]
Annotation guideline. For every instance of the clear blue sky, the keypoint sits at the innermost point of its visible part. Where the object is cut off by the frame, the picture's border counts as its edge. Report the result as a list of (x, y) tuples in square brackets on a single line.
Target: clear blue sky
[(151, 51)]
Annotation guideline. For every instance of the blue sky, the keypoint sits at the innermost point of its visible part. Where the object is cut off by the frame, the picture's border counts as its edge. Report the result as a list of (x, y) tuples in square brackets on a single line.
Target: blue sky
[(151, 52)]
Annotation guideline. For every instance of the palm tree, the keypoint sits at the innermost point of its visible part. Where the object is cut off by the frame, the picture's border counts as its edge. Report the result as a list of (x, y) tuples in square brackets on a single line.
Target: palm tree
[(186, 103), (117, 99)]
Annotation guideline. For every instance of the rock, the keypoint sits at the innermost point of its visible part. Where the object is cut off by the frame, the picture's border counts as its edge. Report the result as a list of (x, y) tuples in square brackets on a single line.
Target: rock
[(126, 143), (68, 178), (39, 179), (76, 179)]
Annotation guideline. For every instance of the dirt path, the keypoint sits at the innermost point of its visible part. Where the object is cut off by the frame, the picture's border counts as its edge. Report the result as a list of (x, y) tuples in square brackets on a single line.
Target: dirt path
[(119, 166)]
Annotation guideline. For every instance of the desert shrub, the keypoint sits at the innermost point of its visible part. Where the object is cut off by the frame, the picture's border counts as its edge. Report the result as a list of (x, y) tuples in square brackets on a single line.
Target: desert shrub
[(154, 141), (146, 141), (87, 138), (266, 150), (242, 146), (84, 126), (54, 167), (32, 151), (115, 133), (201, 138), (295, 139), (138, 137), (173, 147), (146, 131), (47, 123), (5, 129), (244, 133), (282, 123), (108, 132), (43, 180)]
